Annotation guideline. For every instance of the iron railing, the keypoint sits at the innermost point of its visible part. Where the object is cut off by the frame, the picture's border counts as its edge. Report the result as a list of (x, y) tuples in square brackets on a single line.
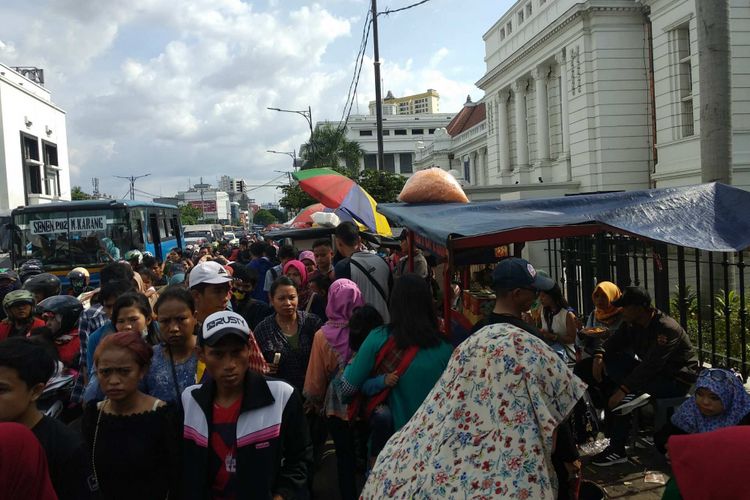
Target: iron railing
[(704, 291)]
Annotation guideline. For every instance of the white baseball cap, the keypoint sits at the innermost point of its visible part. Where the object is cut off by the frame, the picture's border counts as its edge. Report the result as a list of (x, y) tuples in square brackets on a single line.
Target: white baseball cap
[(220, 324), (209, 272)]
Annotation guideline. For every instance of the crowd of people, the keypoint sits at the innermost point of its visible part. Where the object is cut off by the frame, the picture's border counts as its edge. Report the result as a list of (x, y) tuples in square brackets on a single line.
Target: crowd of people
[(221, 372)]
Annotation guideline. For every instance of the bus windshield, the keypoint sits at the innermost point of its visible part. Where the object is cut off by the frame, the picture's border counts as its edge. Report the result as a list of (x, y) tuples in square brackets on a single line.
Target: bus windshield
[(68, 239)]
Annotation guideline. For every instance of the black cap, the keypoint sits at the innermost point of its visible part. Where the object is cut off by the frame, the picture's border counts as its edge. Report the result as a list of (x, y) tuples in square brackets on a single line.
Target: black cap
[(515, 273), (633, 296)]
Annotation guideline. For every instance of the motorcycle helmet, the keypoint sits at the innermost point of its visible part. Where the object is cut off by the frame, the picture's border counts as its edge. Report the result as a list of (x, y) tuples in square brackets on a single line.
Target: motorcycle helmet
[(147, 254), (17, 297), (30, 268), (69, 308), (79, 279), (134, 255), (43, 285)]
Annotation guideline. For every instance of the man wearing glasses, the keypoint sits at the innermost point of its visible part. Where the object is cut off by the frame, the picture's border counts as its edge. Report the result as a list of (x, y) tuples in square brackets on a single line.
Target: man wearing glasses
[(650, 355)]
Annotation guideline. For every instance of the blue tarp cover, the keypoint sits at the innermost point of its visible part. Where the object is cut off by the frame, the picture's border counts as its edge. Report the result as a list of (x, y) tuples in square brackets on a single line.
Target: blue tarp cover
[(711, 216)]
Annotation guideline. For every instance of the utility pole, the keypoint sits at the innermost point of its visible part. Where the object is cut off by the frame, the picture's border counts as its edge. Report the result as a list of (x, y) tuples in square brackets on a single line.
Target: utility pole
[(132, 180), (378, 102), (714, 75), (95, 184)]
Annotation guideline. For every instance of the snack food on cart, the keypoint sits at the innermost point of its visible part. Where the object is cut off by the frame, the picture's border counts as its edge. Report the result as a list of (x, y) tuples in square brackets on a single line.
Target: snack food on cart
[(432, 185)]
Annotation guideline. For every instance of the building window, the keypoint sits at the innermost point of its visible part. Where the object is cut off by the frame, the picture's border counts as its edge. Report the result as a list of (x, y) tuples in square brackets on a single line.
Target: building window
[(363, 133), (371, 162), (417, 131), (400, 131), (386, 132), (520, 16), (405, 163), (32, 164), (509, 28), (528, 10), (502, 34), (51, 170), (467, 170), (390, 163), (684, 80), (431, 131)]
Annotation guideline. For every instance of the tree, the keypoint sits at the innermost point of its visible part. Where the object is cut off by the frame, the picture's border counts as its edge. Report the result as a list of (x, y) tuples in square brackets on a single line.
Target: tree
[(190, 214), (384, 187), (294, 198), (264, 217), (77, 194), (329, 147), (278, 214)]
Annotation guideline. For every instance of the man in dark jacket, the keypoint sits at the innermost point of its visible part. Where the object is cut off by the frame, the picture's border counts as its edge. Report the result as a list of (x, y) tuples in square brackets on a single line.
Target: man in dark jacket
[(245, 436), (650, 355)]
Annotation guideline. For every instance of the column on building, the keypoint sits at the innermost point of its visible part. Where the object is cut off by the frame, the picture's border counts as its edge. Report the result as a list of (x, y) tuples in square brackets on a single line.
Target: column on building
[(503, 143), (522, 140), (542, 113), (565, 124)]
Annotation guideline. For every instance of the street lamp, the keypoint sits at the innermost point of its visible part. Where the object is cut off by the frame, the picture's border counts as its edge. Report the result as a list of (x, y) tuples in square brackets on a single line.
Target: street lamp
[(307, 115), (291, 154)]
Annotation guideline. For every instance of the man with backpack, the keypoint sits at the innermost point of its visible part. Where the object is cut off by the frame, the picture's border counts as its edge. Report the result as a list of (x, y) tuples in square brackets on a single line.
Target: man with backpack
[(368, 270)]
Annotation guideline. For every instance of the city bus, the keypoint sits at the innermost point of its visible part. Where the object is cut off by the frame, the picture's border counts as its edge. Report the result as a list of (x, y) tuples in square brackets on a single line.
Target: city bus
[(92, 233)]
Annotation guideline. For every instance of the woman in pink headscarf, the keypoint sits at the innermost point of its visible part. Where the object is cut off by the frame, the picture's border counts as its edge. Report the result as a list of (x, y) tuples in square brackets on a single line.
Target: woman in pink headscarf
[(328, 358), (309, 301)]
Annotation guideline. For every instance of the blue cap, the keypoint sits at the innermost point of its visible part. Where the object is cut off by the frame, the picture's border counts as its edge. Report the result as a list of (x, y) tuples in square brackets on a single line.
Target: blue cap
[(515, 273)]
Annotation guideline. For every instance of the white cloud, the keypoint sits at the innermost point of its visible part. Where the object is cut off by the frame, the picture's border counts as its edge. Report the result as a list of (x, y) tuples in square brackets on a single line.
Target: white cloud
[(190, 98)]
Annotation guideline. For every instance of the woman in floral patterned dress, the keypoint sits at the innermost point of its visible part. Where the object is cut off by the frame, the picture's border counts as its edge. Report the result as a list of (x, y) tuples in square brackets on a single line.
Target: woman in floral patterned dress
[(487, 429)]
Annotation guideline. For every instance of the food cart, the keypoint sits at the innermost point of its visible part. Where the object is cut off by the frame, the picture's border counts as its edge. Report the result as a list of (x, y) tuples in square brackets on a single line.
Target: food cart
[(709, 217)]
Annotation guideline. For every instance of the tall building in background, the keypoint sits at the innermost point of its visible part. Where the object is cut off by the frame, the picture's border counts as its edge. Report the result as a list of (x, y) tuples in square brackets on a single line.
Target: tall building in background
[(232, 185), (33, 141), (417, 104)]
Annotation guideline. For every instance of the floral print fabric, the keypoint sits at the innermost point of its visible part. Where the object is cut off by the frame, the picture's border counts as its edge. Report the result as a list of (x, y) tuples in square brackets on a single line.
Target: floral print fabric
[(486, 428)]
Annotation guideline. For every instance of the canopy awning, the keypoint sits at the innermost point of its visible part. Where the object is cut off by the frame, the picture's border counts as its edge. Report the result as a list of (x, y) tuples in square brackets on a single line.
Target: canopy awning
[(711, 217)]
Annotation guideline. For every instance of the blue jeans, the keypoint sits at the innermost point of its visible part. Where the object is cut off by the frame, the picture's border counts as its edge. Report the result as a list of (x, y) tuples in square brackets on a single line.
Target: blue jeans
[(381, 429)]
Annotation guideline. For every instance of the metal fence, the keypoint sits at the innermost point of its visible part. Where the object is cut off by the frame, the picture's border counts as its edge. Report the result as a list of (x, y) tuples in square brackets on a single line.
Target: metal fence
[(704, 291)]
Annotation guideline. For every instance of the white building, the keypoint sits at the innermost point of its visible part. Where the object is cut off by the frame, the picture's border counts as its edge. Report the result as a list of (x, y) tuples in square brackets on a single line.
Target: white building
[(598, 128), (401, 133), (33, 141), (214, 202), (677, 90)]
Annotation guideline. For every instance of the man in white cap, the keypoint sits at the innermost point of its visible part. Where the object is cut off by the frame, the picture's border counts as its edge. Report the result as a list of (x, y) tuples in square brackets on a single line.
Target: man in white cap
[(211, 288), (245, 436)]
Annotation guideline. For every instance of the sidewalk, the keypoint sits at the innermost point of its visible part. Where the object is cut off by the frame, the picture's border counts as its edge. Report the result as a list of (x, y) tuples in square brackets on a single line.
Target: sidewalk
[(629, 480)]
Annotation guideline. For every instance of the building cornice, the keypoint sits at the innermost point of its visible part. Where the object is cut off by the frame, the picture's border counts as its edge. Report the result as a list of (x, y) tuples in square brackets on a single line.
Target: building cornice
[(512, 188), (553, 29)]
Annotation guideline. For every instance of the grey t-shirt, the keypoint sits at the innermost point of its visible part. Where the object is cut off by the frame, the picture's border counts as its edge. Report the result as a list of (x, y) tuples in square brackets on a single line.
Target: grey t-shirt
[(378, 270)]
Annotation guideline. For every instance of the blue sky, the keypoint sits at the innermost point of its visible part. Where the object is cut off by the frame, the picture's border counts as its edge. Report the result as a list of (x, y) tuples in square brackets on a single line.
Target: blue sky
[(179, 89)]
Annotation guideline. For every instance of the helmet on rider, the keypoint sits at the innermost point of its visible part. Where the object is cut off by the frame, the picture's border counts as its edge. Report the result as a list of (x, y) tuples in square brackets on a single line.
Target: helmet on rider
[(134, 257), (30, 268), (79, 279), (42, 286), (61, 313), (15, 298)]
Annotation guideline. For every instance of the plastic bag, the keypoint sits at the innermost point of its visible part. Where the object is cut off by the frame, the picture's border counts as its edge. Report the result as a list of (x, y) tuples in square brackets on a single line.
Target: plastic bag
[(433, 185)]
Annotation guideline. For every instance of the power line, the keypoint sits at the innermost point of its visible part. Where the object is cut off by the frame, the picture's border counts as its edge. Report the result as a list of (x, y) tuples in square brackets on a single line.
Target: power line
[(389, 11), (357, 64), (132, 180)]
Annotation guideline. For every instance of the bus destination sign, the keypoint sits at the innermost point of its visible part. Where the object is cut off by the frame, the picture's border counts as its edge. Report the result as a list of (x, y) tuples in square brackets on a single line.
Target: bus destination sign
[(72, 224)]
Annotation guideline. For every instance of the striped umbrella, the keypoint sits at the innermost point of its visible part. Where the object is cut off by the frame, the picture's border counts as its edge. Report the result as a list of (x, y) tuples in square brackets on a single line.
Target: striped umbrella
[(337, 191)]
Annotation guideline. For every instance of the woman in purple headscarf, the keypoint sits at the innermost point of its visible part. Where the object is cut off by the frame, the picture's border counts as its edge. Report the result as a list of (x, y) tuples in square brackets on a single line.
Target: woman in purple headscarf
[(330, 355)]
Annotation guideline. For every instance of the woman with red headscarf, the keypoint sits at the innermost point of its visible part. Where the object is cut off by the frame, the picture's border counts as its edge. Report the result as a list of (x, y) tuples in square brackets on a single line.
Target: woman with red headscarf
[(23, 465)]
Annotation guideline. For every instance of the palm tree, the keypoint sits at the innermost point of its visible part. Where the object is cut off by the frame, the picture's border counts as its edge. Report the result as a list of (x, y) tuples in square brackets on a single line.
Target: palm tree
[(329, 147)]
